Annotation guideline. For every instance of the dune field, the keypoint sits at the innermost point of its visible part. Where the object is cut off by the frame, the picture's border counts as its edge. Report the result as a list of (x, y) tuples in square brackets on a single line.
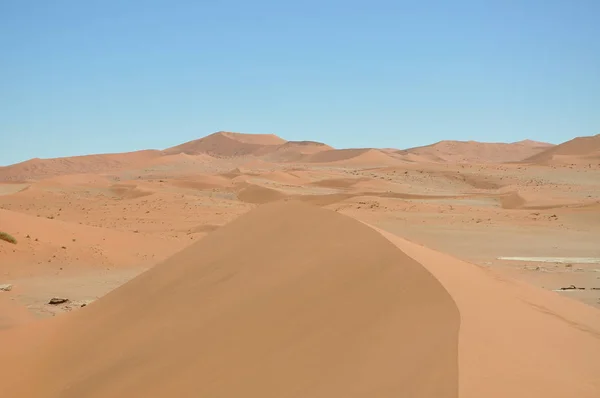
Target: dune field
[(247, 265)]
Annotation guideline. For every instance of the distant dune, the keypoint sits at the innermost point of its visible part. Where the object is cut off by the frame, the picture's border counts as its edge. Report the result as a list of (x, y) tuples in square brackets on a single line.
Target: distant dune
[(43, 168), (273, 296), (227, 144), (288, 300), (353, 157), (292, 151), (305, 146), (207, 154), (580, 148), (255, 139), (476, 152), (257, 194), (200, 182)]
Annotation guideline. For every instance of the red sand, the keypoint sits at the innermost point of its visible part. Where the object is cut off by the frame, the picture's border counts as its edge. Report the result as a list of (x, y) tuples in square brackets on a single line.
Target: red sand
[(577, 147), (516, 340), (227, 144), (296, 300), (352, 157), (477, 152), (268, 306), (43, 168)]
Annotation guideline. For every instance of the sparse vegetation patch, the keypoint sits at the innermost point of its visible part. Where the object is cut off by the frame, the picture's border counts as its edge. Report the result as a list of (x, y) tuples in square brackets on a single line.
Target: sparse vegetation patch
[(8, 238)]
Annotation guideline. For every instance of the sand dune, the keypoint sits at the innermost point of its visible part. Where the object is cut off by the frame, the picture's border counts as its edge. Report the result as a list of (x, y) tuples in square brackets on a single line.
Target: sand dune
[(288, 300), (181, 159), (305, 146), (284, 177), (201, 182), (258, 195), (256, 165), (337, 182), (12, 314), (182, 164), (577, 147), (9, 188), (534, 201), (255, 139), (227, 144), (129, 191), (587, 159), (45, 168), (353, 157), (477, 152), (335, 155), (292, 300), (291, 151), (512, 200), (516, 340), (71, 180)]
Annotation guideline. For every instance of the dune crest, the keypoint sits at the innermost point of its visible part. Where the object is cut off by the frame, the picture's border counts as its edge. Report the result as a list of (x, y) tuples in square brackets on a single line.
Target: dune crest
[(287, 300), (256, 139), (226, 144), (516, 340)]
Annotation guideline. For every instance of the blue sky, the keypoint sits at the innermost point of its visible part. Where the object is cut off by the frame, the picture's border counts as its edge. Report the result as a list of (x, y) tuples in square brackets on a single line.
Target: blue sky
[(79, 77)]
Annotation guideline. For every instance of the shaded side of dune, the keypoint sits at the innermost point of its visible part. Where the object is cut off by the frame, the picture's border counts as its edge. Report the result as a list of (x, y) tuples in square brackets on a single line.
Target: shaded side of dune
[(289, 300), (577, 147), (227, 144)]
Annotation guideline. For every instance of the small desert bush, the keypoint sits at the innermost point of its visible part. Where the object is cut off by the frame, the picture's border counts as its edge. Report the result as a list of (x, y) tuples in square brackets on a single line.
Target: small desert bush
[(7, 237)]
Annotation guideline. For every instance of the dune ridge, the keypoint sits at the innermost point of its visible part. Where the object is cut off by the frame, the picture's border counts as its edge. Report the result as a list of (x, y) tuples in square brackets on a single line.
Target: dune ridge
[(577, 147), (292, 151), (516, 340), (224, 145), (352, 157), (477, 152), (44, 168), (287, 300), (227, 144)]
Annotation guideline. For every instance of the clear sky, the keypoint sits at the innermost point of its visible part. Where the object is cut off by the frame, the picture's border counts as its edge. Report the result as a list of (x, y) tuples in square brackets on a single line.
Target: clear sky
[(79, 77)]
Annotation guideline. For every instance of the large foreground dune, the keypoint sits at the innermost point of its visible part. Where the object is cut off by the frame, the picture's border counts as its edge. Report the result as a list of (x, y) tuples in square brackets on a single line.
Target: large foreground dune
[(288, 300)]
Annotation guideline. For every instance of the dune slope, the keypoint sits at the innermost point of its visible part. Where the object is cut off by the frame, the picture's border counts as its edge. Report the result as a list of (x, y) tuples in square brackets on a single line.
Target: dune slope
[(292, 150), (227, 144), (477, 152), (580, 146), (352, 157), (102, 163), (288, 300), (516, 340)]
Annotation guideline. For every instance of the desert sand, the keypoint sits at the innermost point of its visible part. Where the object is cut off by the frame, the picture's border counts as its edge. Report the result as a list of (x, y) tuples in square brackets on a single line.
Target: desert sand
[(241, 264)]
